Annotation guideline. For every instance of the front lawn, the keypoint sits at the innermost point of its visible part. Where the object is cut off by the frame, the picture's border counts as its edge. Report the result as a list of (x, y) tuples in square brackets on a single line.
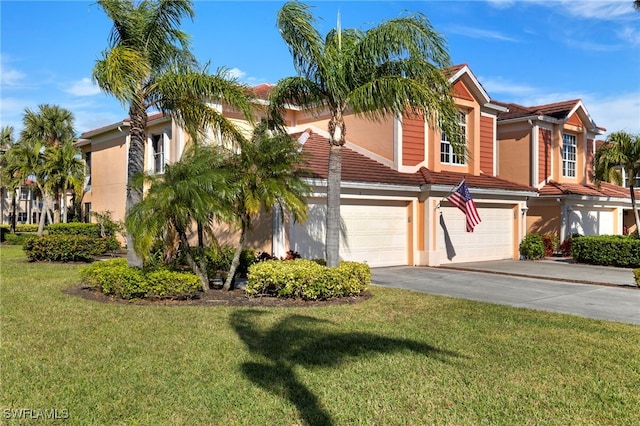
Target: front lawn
[(398, 358)]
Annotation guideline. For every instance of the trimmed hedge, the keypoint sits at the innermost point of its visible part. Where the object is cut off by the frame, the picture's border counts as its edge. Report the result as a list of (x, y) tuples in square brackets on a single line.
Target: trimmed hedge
[(115, 277), (64, 248), (75, 228), (607, 250), (26, 227), (306, 279)]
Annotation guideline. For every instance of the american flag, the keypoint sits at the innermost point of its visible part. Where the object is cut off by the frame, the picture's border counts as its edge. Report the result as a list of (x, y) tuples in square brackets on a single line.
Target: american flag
[(461, 198)]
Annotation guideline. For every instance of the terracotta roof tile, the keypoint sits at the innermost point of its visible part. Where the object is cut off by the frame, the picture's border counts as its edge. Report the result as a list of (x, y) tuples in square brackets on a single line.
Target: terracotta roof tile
[(605, 189), (359, 168), (557, 110), (261, 91)]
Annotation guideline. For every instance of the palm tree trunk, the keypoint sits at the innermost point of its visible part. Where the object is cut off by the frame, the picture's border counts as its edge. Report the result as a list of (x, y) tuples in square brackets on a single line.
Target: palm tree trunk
[(13, 212), (135, 166), (201, 273), (229, 283), (333, 207), (46, 206), (632, 192)]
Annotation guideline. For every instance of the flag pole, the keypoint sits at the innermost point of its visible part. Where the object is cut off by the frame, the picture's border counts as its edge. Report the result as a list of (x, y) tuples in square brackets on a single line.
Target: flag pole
[(450, 192)]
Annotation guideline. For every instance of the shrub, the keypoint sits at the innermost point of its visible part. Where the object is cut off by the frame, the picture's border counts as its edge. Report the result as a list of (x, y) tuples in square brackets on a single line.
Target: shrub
[(636, 275), (550, 242), (27, 227), (115, 277), (532, 247), (18, 239), (75, 228), (607, 250), (306, 279), (64, 248)]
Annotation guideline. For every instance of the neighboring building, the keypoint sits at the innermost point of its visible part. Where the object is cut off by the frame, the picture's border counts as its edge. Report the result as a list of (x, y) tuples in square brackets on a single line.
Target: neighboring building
[(551, 148)]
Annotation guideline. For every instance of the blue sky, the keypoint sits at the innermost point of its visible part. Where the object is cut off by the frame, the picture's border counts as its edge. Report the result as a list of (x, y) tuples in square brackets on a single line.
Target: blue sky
[(526, 51)]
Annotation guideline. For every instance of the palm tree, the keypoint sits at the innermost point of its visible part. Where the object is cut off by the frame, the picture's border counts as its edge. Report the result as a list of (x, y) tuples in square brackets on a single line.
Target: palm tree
[(50, 125), (148, 66), (191, 191), (636, 5), (46, 129), (620, 151), (66, 171), (8, 182), (266, 175), (394, 68), (25, 161)]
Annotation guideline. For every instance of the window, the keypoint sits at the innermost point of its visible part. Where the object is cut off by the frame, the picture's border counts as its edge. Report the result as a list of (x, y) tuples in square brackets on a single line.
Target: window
[(447, 154), (568, 155), (22, 217), (87, 170), (87, 212), (25, 193), (157, 145)]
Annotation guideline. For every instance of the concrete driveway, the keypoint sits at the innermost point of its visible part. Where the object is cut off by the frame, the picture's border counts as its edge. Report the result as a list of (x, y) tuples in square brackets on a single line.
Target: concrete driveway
[(500, 284)]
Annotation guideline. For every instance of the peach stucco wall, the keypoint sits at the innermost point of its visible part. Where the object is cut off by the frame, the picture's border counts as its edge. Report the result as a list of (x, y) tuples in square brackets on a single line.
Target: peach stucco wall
[(543, 220), (514, 153)]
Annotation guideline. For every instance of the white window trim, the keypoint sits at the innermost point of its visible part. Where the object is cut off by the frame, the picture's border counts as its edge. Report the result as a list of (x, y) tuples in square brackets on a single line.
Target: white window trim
[(452, 158), (566, 162)]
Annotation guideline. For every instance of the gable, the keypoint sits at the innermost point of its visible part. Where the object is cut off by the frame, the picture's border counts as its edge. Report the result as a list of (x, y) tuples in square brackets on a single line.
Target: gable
[(460, 91), (575, 120)]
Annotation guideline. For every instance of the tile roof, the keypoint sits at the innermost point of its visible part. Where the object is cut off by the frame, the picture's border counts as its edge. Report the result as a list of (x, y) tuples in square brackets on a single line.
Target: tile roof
[(605, 189), (261, 91), (559, 110), (360, 168)]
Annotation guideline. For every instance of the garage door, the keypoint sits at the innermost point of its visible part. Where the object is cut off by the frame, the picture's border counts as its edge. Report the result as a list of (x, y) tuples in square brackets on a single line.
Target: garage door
[(591, 221), (491, 239), (374, 232)]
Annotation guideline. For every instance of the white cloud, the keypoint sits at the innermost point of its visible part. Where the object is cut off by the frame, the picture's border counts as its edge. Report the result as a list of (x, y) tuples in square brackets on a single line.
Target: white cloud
[(630, 35), (480, 33), (236, 73), (10, 77), (592, 9), (505, 89), (83, 87), (616, 112)]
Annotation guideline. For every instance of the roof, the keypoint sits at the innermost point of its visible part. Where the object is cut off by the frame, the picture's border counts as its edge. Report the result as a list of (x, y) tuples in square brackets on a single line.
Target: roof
[(557, 110), (605, 189), (360, 168)]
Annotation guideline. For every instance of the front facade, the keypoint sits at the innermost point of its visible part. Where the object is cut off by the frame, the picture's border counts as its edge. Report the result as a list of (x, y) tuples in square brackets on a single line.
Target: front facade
[(396, 175), (551, 148)]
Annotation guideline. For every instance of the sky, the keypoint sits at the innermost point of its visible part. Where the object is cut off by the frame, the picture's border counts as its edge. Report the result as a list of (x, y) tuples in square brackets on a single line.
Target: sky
[(529, 52)]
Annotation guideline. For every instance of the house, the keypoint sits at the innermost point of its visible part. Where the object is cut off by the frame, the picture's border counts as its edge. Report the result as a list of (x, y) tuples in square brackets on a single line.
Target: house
[(551, 148), (396, 175)]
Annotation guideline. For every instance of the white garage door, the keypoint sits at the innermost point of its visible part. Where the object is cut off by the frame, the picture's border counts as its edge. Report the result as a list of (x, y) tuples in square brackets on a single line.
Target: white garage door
[(491, 239), (374, 232), (591, 221)]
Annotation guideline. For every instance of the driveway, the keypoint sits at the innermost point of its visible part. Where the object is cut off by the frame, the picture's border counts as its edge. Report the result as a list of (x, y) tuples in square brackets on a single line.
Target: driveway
[(500, 285)]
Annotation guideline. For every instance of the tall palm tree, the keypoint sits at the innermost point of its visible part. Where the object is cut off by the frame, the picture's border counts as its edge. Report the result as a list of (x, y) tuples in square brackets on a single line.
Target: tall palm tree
[(66, 171), (636, 5), (46, 129), (191, 191), (51, 125), (620, 151), (266, 175), (149, 66), (394, 68), (25, 161), (9, 184)]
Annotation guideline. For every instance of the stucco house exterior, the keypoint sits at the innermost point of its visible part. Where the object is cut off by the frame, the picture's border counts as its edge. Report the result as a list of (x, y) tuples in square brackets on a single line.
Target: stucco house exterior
[(395, 179), (551, 148)]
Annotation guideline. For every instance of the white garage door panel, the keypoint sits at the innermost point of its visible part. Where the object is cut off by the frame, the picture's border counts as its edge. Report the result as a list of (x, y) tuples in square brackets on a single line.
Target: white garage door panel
[(372, 233), (591, 221), (491, 239)]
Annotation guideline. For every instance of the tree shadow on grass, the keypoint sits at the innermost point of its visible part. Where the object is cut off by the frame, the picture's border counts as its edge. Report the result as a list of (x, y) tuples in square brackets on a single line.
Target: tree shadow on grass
[(299, 340)]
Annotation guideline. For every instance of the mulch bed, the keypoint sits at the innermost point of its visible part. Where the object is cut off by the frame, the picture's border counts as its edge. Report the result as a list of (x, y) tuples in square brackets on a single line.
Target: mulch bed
[(217, 297)]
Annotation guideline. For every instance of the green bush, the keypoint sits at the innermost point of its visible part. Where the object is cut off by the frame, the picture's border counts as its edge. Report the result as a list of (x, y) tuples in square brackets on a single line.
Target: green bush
[(63, 248), (607, 250), (306, 279), (636, 275), (19, 238), (115, 277), (532, 247), (75, 228), (27, 228)]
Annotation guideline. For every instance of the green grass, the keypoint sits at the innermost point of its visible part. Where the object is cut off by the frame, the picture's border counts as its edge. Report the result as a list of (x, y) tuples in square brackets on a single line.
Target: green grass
[(401, 358)]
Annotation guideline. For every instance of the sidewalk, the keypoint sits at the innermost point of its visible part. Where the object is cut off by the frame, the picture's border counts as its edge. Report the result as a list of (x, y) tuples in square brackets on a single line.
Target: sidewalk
[(556, 269)]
